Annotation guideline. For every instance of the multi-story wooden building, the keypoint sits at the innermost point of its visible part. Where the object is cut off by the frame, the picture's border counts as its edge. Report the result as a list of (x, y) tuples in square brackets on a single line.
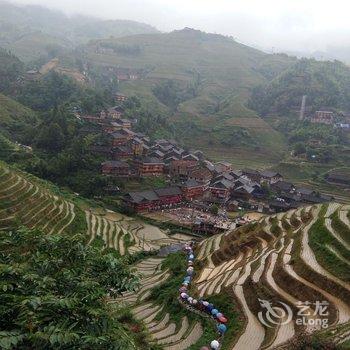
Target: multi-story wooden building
[(153, 199), (116, 168), (221, 189), (137, 146), (323, 117), (181, 168), (192, 189), (121, 97), (148, 166), (121, 137)]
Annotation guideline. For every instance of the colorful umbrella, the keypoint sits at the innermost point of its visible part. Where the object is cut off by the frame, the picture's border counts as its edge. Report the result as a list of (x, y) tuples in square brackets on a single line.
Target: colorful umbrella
[(214, 312), (214, 345), (222, 319), (222, 328)]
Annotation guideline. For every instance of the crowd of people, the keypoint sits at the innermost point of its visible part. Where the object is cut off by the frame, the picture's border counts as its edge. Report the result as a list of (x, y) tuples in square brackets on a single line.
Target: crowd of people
[(189, 216), (201, 305)]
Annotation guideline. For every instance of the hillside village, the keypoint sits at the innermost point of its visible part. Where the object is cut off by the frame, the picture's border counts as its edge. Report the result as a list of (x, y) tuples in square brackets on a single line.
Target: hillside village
[(327, 117), (164, 190), (193, 180)]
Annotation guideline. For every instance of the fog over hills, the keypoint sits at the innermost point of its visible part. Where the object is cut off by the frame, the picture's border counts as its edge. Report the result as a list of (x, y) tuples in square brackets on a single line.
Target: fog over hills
[(280, 26)]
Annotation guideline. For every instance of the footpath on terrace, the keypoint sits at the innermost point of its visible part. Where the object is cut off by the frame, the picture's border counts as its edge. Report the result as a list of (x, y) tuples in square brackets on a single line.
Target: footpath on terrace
[(200, 306)]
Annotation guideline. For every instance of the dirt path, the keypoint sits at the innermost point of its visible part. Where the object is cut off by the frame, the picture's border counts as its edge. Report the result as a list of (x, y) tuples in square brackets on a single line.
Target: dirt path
[(335, 234), (332, 207), (285, 331), (254, 332), (178, 336), (72, 217), (343, 216), (161, 325), (309, 258), (337, 254), (169, 330), (191, 339), (343, 309)]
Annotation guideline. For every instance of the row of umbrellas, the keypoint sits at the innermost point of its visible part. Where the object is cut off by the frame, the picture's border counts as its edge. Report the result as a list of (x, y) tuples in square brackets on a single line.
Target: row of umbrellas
[(201, 305)]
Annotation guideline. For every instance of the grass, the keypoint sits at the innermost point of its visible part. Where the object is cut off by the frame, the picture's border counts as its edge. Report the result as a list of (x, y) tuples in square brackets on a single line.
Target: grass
[(15, 119), (221, 84), (319, 237), (224, 303), (312, 175), (340, 227), (167, 294)]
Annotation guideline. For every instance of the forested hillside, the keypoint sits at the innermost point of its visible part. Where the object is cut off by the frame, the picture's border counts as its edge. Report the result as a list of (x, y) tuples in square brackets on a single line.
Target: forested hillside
[(326, 84), (201, 82)]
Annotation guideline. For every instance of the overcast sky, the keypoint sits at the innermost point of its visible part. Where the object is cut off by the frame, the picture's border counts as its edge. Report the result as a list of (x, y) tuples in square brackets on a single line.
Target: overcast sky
[(306, 25)]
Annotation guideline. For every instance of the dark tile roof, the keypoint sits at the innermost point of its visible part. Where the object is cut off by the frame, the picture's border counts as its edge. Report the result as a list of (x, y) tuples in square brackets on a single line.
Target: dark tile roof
[(117, 134), (269, 174), (127, 132), (115, 163), (309, 198), (170, 159), (283, 186), (226, 176), (122, 149), (138, 197), (150, 160), (168, 191), (236, 173), (222, 184), (191, 183), (157, 154), (166, 148), (190, 157), (226, 164), (250, 172), (305, 191), (245, 188)]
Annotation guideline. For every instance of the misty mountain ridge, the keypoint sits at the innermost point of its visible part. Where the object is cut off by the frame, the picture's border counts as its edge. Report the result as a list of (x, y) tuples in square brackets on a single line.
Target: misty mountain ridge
[(31, 31)]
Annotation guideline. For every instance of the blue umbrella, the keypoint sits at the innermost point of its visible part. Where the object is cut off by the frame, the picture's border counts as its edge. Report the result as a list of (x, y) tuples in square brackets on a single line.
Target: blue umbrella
[(214, 312), (209, 307), (222, 328)]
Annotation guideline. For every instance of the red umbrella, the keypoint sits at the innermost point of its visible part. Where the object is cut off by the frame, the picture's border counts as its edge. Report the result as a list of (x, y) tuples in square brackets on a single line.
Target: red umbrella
[(222, 319)]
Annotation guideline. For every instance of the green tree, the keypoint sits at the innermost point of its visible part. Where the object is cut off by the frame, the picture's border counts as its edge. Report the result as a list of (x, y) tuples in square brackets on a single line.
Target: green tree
[(299, 148), (54, 291), (214, 209), (51, 137)]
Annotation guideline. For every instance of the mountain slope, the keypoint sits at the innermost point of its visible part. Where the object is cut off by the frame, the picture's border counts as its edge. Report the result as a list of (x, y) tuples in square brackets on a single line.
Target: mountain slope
[(211, 76), (28, 201), (299, 255), (15, 119), (326, 84), (34, 31)]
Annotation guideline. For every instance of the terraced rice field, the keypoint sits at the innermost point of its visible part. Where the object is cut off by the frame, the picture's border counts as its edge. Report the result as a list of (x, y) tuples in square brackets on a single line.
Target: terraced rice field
[(24, 201), (162, 330), (28, 202), (279, 258), (271, 260)]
